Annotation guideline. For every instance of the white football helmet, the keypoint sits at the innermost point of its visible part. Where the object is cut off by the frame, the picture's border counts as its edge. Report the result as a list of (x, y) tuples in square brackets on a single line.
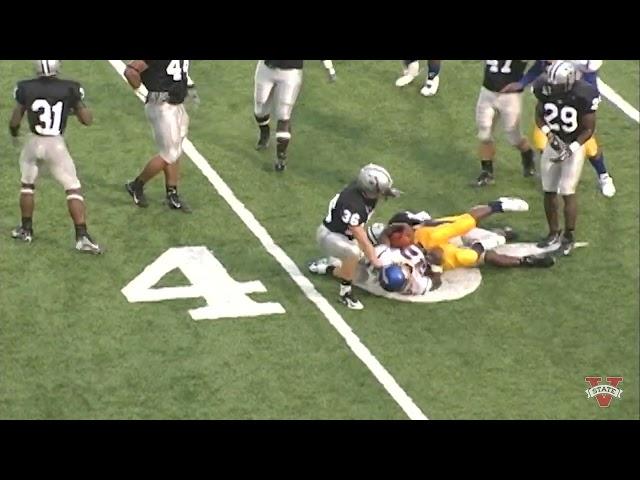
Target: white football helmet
[(374, 232), (375, 182), (47, 68), (561, 76)]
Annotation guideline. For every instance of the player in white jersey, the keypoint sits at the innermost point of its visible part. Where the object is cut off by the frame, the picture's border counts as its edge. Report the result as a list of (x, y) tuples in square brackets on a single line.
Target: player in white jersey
[(413, 276)]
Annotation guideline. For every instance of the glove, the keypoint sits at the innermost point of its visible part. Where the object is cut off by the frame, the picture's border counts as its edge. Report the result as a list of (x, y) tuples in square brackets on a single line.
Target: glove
[(562, 149)]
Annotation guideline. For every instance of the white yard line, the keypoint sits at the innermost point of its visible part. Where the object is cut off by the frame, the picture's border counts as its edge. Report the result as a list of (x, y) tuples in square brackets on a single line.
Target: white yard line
[(335, 319), (611, 95)]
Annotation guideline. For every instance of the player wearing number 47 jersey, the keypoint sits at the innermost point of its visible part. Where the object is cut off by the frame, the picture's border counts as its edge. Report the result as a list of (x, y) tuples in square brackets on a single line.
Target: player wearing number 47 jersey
[(167, 83), (342, 235), (48, 102), (566, 114)]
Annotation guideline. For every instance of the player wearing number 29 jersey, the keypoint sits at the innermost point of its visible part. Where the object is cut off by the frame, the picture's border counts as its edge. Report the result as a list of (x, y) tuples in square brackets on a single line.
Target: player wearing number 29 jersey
[(48, 101)]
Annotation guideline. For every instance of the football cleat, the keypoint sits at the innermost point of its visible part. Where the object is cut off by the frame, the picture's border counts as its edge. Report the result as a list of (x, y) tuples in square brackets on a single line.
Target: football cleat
[(485, 178), (607, 188), (320, 266), (567, 244), (86, 244), (513, 204), (539, 261), (263, 141), (174, 202), (21, 233), (138, 195), (281, 162), (430, 87), (405, 80), (351, 301), (553, 239)]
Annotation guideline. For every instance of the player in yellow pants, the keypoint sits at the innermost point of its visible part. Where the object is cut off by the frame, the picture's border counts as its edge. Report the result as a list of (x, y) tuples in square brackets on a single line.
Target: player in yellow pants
[(434, 236)]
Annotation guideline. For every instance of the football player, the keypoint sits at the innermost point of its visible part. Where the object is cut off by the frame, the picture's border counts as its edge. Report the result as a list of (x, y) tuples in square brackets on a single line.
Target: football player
[(166, 82), (438, 236), (342, 235), (566, 114), (48, 101), (283, 77), (492, 102), (587, 70), (411, 69)]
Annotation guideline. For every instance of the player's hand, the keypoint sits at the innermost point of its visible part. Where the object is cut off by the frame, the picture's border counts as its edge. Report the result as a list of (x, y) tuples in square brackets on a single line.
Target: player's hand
[(513, 87), (376, 263)]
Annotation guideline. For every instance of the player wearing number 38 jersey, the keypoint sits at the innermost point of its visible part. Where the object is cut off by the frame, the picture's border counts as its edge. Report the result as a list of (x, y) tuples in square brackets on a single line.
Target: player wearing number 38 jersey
[(566, 114), (48, 101), (342, 236)]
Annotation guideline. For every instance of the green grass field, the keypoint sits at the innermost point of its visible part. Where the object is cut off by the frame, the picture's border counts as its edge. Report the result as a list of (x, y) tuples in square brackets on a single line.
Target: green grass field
[(72, 346)]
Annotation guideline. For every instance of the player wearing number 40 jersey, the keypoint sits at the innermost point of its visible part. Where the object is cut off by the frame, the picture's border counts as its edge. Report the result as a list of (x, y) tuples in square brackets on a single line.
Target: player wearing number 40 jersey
[(566, 114), (342, 236), (167, 83), (48, 102)]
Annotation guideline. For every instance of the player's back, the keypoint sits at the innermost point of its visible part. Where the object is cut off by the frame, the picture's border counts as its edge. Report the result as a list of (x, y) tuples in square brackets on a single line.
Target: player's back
[(48, 101)]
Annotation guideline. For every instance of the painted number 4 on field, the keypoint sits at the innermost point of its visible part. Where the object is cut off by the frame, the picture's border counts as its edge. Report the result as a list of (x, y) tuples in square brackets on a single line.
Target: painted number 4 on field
[(225, 297)]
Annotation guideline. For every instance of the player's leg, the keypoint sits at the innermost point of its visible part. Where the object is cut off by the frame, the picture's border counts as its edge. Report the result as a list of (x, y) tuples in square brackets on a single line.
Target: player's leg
[(348, 254), (264, 84), (432, 82), (596, 158), (571, 171), (507, 261), (29, 175), (483, 246), (410, 70), (510, 112), (485, 115), (550, 177), (64, 171), (328, 65), (179, 119), (288, 89)]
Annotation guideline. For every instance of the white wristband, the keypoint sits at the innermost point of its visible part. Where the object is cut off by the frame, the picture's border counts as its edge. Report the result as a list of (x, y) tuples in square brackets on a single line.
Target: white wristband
[(545, 129), (436, 268), (574, 147)]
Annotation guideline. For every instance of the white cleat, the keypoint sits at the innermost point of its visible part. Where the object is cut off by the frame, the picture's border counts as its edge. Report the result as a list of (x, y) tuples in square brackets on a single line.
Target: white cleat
[(319, 267), (351, 302), (86, 244), (405, 80), (607, 188), (513, 204), (431, 87)]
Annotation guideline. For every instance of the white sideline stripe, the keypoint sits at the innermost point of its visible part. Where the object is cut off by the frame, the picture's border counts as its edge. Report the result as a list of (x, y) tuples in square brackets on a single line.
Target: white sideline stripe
[(611, 95), (335, 319)]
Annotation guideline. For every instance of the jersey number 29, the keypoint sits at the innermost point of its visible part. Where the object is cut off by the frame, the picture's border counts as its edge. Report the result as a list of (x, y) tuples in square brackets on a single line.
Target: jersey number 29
[(568, 117)]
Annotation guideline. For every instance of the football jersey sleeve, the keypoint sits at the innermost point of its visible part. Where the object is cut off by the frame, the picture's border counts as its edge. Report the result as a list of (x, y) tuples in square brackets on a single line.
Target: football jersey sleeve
[(19, 94)]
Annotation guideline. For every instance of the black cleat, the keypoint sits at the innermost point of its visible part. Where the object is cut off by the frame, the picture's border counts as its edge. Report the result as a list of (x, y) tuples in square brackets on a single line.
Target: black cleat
[(528, 168), (263, 141), (174, 202), (539, 261), (281, 162), (567, 244), (137, 194), (485, 178), (24, 234), (550, 240)]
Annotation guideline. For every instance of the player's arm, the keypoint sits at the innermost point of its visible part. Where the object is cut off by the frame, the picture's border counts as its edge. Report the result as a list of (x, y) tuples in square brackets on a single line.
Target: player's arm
[(83, 113), (530, 76), (435, 260), (133, 71), (16, 119), (589, 127), (360, 234)]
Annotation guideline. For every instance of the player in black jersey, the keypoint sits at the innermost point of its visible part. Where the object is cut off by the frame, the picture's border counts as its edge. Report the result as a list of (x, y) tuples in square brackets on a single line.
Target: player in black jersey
[(48, 101), (411, 69), (566, 113), (167, 84), (493, 102), (282, 79), (342, 235)]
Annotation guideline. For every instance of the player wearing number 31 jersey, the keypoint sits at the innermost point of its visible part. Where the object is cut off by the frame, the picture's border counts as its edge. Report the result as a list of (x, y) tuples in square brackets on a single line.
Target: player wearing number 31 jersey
[(48, 101)]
